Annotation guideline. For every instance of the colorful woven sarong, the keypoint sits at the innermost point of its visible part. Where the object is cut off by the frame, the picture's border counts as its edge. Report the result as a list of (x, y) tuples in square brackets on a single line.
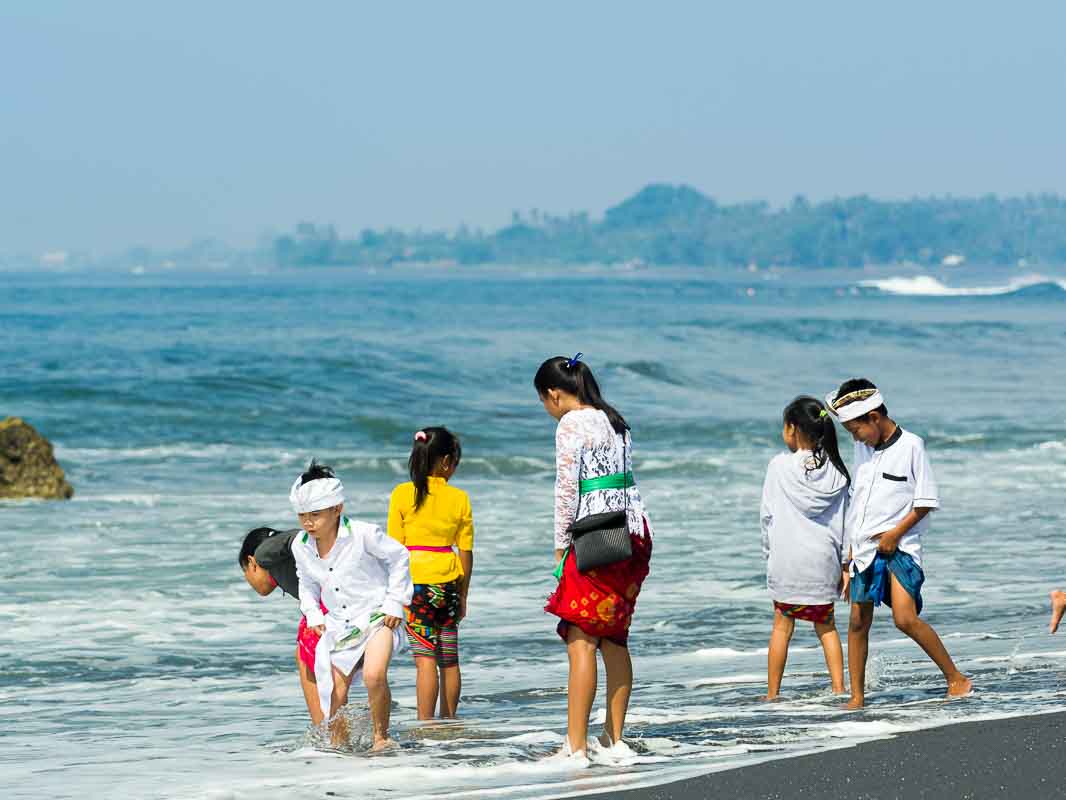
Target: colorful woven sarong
[(432, 622)]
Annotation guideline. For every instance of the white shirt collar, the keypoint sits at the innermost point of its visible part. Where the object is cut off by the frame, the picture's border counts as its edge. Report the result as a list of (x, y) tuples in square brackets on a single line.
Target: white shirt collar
[(344, 530)]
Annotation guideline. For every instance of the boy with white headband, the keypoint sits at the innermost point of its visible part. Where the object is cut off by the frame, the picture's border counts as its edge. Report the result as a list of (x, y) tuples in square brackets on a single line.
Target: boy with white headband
[(364, 578), (892, 494)]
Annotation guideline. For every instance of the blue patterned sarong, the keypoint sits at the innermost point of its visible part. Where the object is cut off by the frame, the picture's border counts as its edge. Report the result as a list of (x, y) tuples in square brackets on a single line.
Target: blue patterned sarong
[(872, 585)]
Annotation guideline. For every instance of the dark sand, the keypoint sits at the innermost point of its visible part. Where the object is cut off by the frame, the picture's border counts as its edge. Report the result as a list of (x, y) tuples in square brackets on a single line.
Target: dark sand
[(1023, 758)]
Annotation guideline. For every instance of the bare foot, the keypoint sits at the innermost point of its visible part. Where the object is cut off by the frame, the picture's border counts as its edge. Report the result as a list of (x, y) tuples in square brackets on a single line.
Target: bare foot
[(839, 690), (960, 686), (770, 698), (1058, 607), (854, 704), (383, 744)]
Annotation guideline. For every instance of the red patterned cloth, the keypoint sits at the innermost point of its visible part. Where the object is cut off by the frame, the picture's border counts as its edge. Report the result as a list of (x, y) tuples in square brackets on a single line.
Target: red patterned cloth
[(307, 641), (822, 615), (601, 601)]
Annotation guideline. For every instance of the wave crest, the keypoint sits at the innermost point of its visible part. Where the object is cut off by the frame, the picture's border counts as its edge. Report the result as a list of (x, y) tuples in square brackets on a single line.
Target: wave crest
[(928, 286)]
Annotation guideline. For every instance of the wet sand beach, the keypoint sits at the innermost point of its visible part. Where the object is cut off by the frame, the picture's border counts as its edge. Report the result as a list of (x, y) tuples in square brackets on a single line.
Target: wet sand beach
[(1019, 758)]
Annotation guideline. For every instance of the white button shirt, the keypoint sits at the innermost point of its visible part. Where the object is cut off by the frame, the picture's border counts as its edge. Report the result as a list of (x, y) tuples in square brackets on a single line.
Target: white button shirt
[(365, 571), (889, 480)]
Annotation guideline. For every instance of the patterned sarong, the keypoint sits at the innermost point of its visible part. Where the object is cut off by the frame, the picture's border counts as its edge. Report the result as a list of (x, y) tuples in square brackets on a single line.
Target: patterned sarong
[(820, 614)]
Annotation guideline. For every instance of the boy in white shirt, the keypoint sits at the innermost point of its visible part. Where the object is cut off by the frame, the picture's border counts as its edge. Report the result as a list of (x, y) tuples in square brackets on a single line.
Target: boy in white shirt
[(364, 578), (892, 493)]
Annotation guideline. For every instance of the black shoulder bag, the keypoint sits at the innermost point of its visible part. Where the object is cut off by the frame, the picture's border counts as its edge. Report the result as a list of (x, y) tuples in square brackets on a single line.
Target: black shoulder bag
[(602, 539)]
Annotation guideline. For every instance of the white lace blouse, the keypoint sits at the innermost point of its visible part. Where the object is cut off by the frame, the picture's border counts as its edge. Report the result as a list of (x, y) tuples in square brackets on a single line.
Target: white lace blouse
[(586, 446)]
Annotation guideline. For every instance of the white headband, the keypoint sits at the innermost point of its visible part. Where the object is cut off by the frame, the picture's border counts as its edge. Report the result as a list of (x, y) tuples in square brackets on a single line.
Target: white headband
[(316, 495), (855, 409)]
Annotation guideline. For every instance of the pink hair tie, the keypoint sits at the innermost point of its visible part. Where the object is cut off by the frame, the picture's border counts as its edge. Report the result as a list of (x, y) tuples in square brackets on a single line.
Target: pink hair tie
[(421, 436)]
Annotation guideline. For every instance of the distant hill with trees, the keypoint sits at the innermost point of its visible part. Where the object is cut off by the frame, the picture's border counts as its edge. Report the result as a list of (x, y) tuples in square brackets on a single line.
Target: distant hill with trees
[(677, 225), (659, 225)]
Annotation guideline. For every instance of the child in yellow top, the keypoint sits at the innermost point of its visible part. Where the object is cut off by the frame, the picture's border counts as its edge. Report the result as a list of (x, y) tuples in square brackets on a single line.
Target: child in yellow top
[(434, 520)]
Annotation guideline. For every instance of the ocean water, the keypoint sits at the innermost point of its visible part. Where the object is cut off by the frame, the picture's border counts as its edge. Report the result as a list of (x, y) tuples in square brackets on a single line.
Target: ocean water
[(138, 664)]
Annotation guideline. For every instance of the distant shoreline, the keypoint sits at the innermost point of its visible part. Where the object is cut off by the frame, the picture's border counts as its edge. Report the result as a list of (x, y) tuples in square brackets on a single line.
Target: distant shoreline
[(662, 225)]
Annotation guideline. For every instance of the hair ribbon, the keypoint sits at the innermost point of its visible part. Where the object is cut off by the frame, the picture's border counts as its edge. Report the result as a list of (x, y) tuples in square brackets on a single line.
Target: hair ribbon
[(572, 362), (421, 436)]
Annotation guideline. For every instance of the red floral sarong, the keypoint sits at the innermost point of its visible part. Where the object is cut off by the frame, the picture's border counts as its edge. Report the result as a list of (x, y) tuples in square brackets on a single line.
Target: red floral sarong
[(601, 601)]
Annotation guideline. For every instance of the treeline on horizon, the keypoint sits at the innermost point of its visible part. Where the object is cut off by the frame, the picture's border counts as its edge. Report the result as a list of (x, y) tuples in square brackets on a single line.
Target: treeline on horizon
[(677, 225)]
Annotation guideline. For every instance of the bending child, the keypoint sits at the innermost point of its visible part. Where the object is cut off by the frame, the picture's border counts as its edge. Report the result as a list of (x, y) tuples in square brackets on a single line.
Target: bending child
[(267, 562), (803, 505), (891, 497), (363, 577), (433, 520)]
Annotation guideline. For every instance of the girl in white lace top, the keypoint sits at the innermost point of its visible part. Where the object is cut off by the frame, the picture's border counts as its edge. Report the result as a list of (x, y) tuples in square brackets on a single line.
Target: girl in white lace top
[(586, 446), (593, 456)]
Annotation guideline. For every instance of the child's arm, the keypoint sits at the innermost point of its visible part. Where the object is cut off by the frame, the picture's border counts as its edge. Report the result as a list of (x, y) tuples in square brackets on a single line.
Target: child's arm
[(926, 499), (465, 541), (398, 563), (887, 541), (466, 558), (310, 598), (568, 442), (396, 530), (766, 516)]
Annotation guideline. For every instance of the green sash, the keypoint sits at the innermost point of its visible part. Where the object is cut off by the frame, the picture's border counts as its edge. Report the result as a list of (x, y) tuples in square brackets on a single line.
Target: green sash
[(619, 480)]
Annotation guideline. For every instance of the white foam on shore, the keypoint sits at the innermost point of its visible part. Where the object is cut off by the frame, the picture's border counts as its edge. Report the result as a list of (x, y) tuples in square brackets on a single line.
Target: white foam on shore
[(725, 680), (729, 652)]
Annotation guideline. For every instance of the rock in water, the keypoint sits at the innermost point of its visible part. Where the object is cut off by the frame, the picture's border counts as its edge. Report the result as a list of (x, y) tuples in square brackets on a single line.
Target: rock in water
[(27, 466)]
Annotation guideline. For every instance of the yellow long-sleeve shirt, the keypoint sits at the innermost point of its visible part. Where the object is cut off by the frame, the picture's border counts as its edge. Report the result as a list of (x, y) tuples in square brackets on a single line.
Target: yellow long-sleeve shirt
[(444, 520)]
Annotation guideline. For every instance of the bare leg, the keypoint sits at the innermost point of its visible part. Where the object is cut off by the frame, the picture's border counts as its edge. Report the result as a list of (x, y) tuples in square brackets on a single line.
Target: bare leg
[(426, 686), (619, 667), (581, 687), (339, 733), (310, 690), (834, 654), (905, 615), (376, 659), (862, 617), (777, 655), (451, 685), (1058, 607)]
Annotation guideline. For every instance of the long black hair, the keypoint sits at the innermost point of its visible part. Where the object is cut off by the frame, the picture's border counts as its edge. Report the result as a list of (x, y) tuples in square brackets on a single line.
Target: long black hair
[(431, 445), (252, 540), (813, 421), (574, 377)]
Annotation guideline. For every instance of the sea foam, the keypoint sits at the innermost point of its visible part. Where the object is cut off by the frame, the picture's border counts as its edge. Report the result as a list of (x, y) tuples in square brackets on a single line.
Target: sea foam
[(929, 286)]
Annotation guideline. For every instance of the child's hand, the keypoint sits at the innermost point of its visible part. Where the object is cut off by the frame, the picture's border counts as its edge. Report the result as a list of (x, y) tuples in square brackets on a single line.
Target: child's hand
[(887, 541), (845, 584), (391, 622), (462, 608), (319, 629)]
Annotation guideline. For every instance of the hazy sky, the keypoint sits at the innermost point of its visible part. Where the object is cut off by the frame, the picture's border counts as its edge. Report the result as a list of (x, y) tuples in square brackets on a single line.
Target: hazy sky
[(156, 123)]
